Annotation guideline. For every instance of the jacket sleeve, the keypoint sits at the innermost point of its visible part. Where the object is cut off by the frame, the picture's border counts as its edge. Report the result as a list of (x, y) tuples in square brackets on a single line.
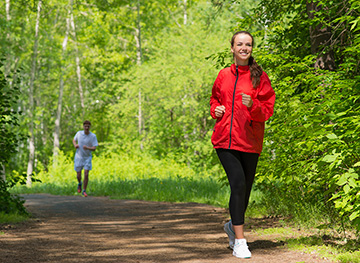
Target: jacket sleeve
[(215, 97), (263, 105)]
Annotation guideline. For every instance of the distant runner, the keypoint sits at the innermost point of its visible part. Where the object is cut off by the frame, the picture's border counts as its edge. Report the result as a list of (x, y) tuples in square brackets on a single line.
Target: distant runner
[(85, 142)]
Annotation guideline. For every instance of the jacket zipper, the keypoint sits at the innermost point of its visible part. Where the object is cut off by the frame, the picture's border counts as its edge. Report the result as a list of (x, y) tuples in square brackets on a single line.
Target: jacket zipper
[(233, 102)]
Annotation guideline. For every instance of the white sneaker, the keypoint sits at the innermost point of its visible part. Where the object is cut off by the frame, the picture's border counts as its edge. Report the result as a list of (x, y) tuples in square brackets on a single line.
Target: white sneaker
[(231, 234), (241, 249)]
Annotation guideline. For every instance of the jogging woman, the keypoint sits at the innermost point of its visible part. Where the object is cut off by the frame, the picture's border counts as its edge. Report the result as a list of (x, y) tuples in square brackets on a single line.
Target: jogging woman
[(242, 100)]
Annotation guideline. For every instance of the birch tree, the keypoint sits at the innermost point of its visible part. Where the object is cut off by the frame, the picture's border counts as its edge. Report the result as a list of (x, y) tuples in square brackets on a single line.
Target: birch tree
[(61, 85), (185, 11), (30, 166), (8, 19), (78, 68), (139, 62)]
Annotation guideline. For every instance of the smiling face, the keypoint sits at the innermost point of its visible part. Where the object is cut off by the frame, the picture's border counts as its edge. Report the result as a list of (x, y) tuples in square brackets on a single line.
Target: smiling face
[(242, 48)]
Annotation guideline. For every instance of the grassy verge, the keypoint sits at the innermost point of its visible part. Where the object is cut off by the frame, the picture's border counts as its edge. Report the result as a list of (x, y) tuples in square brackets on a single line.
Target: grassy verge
[(335, 249), (325, 243), (12, 218), (178, 189), (133, 177)]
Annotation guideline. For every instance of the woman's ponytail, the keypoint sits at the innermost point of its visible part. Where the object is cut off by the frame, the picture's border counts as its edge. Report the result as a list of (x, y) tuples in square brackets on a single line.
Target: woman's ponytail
[(255, 72)]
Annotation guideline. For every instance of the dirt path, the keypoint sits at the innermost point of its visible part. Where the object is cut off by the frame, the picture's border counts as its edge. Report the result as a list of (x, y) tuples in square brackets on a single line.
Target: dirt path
[(98, 229)]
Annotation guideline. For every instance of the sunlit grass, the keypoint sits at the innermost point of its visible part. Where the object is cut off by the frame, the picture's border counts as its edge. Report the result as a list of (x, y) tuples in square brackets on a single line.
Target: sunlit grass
[(133, 177), (311, 241), (315, 244), (349, 257), (140, 178), (178, 189), (277, 231)]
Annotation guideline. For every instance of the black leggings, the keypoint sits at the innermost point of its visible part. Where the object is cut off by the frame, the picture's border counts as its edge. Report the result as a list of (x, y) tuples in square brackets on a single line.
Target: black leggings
[(240, 168)]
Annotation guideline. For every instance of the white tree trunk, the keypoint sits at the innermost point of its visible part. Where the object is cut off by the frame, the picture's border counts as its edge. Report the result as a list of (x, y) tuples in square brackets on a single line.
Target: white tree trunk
[(61, 88), (78, 68), (30, 167), (138, 37), (139, 62), (185, 12), (8, 17), (8, 54)]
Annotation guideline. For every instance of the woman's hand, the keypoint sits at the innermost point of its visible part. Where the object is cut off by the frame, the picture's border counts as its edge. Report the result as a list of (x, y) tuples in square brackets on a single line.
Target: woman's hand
[(246, 100), (219, 111)]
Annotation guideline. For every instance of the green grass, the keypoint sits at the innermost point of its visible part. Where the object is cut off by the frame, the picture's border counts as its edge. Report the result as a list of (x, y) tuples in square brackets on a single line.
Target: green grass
[(12, 218), (334, 249), (313, 241), (178, 189), (278, 231), (133, 177), (349, 257)]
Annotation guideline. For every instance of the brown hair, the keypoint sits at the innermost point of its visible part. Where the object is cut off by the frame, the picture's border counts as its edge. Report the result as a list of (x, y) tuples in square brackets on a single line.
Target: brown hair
[(255, 70), (87, 122)]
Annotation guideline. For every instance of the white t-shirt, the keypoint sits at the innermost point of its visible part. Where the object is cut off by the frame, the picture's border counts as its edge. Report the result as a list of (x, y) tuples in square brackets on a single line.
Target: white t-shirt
[(82, 139)]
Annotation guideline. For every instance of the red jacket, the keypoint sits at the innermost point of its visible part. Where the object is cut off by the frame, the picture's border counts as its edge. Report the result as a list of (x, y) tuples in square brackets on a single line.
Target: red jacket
[(241, 128)]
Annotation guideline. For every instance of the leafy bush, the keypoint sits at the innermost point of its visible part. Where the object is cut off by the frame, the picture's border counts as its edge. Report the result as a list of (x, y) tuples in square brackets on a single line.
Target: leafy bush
[(8, 120), (312, 144), (10, 203)]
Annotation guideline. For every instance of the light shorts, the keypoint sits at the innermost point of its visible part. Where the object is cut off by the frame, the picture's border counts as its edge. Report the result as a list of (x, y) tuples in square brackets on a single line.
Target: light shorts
[(82, 163)]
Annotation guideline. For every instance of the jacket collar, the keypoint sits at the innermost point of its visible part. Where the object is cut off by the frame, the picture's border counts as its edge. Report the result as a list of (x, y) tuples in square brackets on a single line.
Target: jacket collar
[(241, 69)]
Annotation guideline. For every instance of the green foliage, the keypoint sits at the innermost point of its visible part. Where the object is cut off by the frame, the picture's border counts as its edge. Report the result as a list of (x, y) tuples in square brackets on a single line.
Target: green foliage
[(311, 155), (10, 203), (8, 119), (175, 84), (175, 75)]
